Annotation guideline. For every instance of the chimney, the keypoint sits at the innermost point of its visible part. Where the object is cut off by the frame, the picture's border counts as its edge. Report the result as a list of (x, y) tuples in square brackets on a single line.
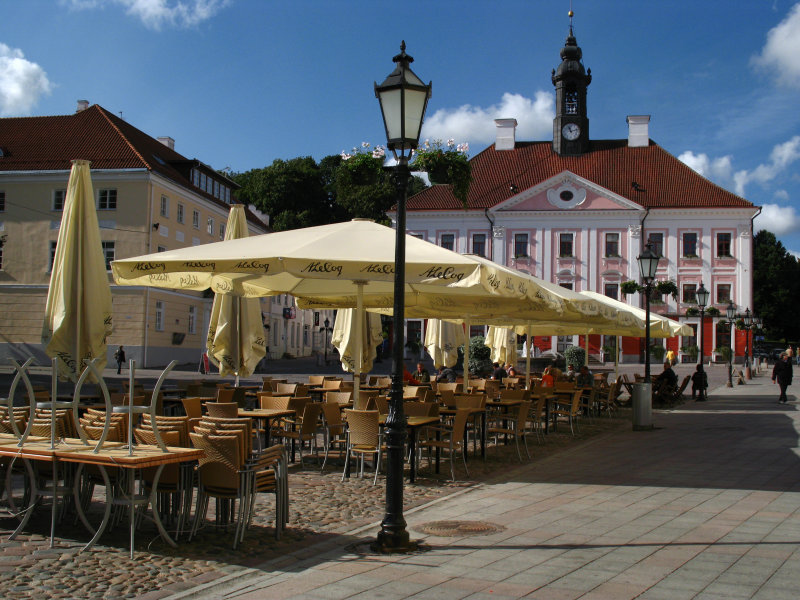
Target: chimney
[(638, 135), (167, 141), (82, 105), (506, 134)]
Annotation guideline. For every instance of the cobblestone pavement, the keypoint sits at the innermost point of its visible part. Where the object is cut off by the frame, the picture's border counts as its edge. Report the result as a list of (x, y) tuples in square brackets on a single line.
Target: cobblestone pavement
[(322, 507)]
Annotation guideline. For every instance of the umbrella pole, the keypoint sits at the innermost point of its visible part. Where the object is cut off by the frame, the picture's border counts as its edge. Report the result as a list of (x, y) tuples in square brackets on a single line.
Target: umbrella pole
[(466, 353), (586, 354), (529, 341), (359, 340), (616, 359), (237, 308), (53, 396)]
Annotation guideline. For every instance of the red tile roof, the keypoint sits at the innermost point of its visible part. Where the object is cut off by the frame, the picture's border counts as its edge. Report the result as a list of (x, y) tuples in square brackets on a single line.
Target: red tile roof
[(94, 134), (663, 181)]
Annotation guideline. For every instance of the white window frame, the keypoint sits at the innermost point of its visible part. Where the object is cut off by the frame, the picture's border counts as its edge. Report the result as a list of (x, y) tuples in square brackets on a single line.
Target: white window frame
[(571, 244), (222, 231), (164, 212), (210, 226), (109, 252), (54, 205), (609, 239), (107, 199), (196, 219), (179, 213)]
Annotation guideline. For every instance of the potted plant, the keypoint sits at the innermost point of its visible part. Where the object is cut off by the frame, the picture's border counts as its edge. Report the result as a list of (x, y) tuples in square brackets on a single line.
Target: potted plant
[(712, 311), (691, 351), (365, 164), (445, 165)]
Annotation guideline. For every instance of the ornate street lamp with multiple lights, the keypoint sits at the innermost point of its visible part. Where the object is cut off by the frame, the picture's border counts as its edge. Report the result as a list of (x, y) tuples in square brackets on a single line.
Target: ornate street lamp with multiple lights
[(648, 265), (702, 301), (747, 320), (403, 98), (730, 312)]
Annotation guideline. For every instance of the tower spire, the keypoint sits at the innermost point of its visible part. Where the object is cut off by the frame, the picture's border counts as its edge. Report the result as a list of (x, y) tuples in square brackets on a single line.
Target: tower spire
[(571, 124)]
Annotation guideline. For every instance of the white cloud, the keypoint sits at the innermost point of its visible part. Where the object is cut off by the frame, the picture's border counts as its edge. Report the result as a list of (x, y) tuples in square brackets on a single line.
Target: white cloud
[(780, 55), (475, 124), (720, 170), (780, 220), (22, 82), (156, 14)]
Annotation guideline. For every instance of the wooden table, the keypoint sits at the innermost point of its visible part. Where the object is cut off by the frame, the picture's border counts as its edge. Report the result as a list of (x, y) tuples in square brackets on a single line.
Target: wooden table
[(113, 454), (266, 415), (414, 424)]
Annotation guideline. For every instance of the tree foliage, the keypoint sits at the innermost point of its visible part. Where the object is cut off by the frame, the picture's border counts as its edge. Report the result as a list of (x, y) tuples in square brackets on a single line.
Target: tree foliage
[(302, 193), (776, 287)]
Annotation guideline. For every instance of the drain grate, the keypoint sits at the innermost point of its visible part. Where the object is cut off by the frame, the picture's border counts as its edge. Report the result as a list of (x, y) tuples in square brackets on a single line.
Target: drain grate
[(458, 528)]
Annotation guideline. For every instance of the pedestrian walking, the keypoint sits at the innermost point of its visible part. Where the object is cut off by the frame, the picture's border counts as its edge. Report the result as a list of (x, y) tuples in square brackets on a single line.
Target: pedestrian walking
[(119, 356), (782, 375)]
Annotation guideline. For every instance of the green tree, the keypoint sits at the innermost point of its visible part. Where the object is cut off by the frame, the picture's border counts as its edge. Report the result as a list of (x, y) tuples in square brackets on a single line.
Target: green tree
[(776, 287), (291, 192)]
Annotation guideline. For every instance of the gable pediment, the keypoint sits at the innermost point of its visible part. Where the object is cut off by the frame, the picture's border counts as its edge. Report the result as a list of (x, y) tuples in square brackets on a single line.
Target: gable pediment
[(566, 192)]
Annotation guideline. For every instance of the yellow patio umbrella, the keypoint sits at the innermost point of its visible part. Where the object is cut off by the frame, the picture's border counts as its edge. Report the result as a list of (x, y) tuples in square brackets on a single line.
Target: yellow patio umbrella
[(236, 341), (503, 344), (77, 316), (354, 339), (442, 339)]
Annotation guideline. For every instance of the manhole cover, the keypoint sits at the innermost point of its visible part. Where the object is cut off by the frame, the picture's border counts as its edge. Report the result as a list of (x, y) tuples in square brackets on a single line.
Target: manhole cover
[(458, 528)]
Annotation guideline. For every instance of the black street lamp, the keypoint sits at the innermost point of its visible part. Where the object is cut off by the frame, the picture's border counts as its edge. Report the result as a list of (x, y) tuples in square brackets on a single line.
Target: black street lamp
[(702, 301), (327, 329), (747, 320), (403, 98), (730, 312), (648, 265)]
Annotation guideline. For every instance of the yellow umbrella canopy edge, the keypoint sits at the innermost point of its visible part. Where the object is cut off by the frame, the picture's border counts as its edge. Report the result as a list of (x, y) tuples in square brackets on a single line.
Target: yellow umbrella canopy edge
[(236, 341), (660, 326), (78, 313)]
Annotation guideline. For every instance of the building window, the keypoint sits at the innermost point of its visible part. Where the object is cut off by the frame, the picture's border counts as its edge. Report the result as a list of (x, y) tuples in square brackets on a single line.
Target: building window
[(216, 189), (222, 231), (192, 320), (210, 226), (520, 245), (417, 235), (565, 245), (612, 245), (164, 206), (724, 245), (449, 241), (159, 315), (689, 245), (108, 253), (657, 243), (203, 181), (196, 177), (162, 249), (2, 201), (611, 290), (195, 219), (59, 197), (227, 194), (723, 293), (479, 244), (107, 199), (689, 293), (52, 255), (179, 213), (565, 284)]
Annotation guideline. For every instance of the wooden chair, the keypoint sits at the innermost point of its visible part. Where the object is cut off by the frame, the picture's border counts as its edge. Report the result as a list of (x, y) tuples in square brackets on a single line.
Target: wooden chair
[(511, 382), (491, 388), (332, 384), (222, 409), (334, 431), (517, 429), (363, 437), (447, 387), (569, 412), (316, 380), (225, 394), (306, 428), (339, 397), (452, 439)]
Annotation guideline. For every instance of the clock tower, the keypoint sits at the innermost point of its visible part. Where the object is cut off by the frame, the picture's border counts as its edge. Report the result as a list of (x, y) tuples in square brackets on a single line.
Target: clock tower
[(571, 125)]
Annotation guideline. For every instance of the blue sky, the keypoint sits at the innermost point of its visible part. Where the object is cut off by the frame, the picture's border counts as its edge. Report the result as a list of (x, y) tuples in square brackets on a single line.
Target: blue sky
[(239, 83)]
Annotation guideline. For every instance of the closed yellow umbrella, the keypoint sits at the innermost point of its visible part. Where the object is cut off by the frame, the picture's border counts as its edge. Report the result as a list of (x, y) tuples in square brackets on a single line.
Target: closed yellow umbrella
[(236, 341), (77, 317), (350, 339), (442, 340), (503, 344)]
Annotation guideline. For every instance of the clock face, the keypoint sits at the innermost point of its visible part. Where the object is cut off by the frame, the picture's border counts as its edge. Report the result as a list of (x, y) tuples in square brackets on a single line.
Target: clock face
[(571, 131)]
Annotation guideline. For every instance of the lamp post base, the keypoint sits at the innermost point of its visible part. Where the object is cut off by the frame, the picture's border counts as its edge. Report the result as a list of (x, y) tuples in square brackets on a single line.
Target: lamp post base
[(394, 542), (748, 373)]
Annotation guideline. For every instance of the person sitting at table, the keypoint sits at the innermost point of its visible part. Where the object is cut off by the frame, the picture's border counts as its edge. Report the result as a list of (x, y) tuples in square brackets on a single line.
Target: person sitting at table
[(408, 378), (512, 372), (446, 375), (421, 374), (584, 378), (499, 372), (547, 377), (667, 376), (570, 373)]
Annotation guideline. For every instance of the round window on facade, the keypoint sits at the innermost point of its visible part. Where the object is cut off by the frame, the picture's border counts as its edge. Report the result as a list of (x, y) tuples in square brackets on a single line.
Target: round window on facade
[(566, 195)]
